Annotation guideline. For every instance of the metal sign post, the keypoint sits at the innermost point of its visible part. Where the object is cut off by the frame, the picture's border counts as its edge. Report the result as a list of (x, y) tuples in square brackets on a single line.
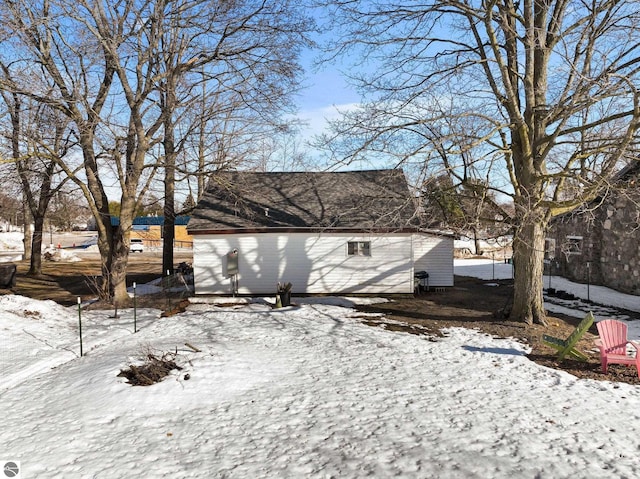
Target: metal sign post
[(233, 269), (135, 329)]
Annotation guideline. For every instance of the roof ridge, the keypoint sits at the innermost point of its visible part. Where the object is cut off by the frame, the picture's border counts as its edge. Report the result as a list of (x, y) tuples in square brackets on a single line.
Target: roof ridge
[(373, 170), (359, 199)]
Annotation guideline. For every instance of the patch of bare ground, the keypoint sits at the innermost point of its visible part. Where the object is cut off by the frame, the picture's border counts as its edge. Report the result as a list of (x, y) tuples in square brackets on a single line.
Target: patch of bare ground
[(65, 281), (473, 303)]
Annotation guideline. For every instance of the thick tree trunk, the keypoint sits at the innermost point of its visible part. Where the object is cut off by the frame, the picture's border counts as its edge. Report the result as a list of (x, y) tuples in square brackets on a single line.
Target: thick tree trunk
[(99, 203), (476, 242), (120, 251), (528, 262), (26, 227), (105, 239), (168, 227), (35, 268), (118, 274)]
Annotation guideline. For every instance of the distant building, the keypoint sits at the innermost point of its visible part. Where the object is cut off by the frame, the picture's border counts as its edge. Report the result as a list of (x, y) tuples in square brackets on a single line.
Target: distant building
[(149, 229), (599, 243)]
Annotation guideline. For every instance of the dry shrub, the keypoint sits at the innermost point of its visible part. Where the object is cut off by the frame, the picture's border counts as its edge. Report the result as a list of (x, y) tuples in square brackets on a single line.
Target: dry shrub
[(153, 370)]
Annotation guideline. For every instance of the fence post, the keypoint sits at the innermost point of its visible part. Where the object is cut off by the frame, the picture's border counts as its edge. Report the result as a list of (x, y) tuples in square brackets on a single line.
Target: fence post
[(135, 330), (167, 292), (80, 324)]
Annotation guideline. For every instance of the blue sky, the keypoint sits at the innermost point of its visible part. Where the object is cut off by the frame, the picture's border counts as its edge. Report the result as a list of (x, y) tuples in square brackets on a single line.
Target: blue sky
[(325, 92), (315, 113), (326, 87)]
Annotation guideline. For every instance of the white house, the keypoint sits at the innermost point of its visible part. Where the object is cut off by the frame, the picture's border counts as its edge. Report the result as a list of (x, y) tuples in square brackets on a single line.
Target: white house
[(333, 233)]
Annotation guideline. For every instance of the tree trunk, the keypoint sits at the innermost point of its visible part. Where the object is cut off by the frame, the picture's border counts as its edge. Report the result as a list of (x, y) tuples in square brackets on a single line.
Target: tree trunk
[(528, 263), (120, 250), (476, 241), (168, 226), (26, 227), (105, 239), (118, 275), (99, 204), (35, 268)]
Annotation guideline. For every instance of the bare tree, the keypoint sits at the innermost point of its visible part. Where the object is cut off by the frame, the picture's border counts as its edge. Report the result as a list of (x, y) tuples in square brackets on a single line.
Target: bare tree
[(68, 209), (81, 75), (469, 209), (121, 73), (40, 139), (234, 91), (39, 173), (536, 97)]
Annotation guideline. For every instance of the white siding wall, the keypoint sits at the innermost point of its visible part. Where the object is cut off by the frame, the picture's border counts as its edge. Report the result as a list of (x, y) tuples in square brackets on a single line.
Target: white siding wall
[(312, 263), (434, 254)]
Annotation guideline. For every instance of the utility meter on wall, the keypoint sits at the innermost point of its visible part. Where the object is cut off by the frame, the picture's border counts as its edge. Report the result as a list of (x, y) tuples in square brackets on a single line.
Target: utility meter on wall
[(232, 262)]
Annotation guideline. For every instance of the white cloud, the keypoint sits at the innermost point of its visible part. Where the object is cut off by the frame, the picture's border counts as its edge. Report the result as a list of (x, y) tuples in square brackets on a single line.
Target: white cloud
[(317, 120)]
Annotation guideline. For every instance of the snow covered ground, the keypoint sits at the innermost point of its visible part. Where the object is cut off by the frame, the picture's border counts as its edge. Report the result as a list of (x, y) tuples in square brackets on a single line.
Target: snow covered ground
[(298, 392)]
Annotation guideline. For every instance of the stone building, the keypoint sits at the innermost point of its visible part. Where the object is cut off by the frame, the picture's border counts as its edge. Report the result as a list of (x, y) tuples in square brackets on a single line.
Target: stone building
[(599, 243)]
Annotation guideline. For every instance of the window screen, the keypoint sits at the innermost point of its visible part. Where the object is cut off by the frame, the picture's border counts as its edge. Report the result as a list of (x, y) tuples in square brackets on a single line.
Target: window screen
[(359, 248)]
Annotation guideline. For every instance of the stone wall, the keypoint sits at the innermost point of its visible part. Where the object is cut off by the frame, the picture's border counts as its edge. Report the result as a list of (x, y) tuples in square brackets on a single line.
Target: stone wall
[(577, 247), (620, 257), (609, 238)]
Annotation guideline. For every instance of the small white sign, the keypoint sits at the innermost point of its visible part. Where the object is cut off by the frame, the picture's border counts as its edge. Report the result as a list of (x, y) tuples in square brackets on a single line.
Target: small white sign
[(10, 469)]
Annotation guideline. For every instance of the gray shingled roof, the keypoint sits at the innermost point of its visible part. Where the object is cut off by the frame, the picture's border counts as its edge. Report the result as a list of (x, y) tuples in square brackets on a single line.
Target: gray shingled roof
[(361, 200)]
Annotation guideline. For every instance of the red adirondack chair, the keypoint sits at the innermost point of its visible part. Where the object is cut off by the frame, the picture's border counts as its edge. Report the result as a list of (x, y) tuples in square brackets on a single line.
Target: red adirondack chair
[(613, 345)]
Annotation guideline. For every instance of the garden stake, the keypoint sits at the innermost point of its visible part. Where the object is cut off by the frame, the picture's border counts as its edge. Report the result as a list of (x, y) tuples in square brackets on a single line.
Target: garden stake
[(588, 280), (493, 266), (134, 308), (80, 324), (167, 305)]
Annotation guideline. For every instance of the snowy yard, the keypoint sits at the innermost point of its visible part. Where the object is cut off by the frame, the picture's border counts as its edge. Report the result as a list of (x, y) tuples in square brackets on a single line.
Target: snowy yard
[(304, 391)]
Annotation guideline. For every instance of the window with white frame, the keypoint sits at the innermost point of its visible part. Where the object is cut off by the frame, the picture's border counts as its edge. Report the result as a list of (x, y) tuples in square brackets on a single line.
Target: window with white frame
[(573, 245), (359, 248)]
